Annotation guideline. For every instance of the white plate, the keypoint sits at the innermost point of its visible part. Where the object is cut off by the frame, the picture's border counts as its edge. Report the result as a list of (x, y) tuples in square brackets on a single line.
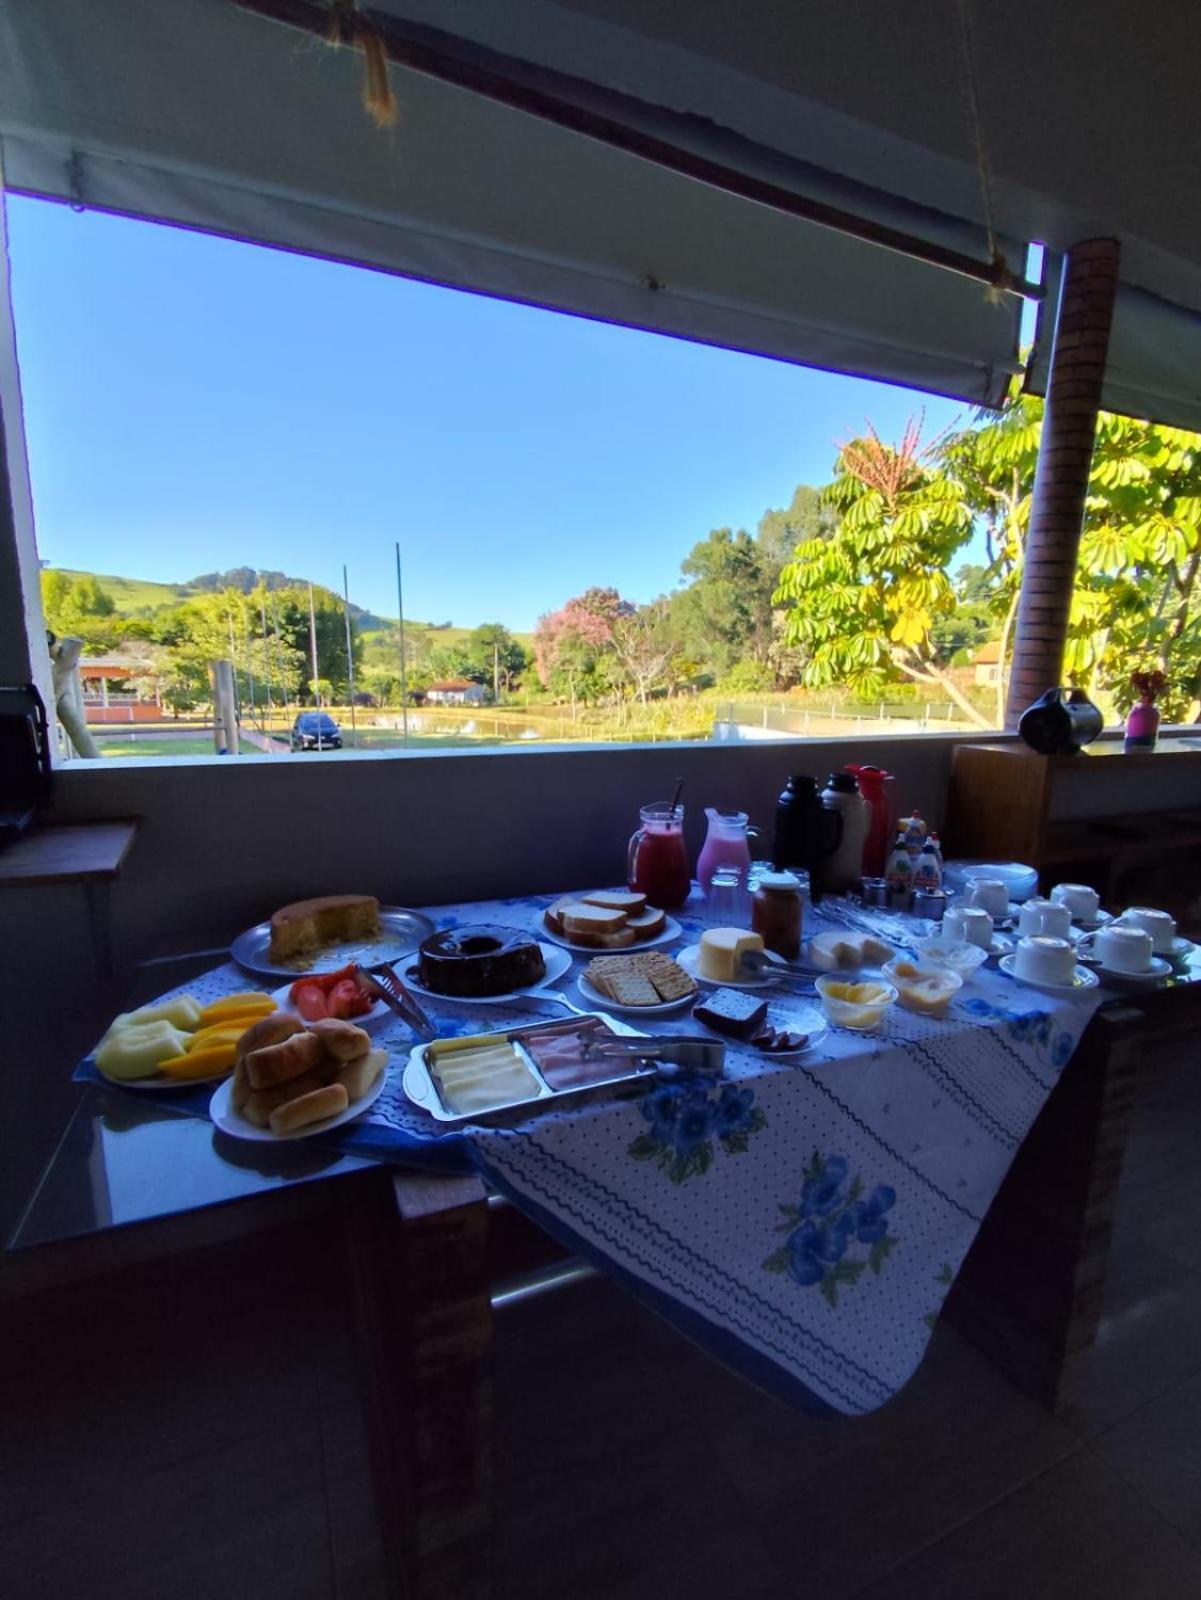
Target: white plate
[(232, 1122), (934, 948), (824, 944), (161, 1081), (690, 959), (368, 1019), (557, 963), (1084, 979), (671, 930), (796, 1019), (594, 998)]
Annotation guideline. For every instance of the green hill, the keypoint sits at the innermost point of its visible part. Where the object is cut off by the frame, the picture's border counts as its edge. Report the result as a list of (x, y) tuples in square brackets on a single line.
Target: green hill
[(137, 597)]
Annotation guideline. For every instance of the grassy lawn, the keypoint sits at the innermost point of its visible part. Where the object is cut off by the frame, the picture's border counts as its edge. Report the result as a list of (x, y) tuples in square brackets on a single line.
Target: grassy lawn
[(187, 745)]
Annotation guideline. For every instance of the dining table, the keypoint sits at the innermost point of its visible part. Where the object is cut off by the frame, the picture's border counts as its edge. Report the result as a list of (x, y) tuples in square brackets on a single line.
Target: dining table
[(805, 1218)]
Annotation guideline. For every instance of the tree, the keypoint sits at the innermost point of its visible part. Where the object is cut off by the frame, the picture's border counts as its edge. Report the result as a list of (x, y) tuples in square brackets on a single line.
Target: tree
[(645, 647), (806, 517), (724, 613), (864, 602), (1137, 601), (494, 653), (80, 607), (573, 646)]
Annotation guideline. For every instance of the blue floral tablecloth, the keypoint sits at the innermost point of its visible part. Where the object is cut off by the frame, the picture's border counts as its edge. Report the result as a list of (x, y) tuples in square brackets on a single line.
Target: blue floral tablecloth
[(804, 1218)]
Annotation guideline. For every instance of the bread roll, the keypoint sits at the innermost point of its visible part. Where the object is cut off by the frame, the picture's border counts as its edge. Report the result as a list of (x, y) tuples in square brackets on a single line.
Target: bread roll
[(280, 1025), (312, 1107), (260, 1103), (240, 1090), (356, 1077), (340, 1040), (280, 1063)]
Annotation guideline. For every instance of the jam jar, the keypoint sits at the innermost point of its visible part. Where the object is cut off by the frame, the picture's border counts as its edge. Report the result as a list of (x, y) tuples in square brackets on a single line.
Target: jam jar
[(776, 913)]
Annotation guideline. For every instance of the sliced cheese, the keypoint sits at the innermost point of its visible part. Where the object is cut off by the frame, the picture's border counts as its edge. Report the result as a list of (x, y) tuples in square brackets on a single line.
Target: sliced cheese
[(722, 950)]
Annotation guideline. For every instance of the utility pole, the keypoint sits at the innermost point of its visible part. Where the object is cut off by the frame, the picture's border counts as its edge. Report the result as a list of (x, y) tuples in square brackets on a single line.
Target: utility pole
[(349, 653), (313, 647), (495, 673), (404, 686)]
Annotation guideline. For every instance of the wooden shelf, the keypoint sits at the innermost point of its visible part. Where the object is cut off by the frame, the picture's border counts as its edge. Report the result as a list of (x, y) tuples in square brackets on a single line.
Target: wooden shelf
[(80, 852)]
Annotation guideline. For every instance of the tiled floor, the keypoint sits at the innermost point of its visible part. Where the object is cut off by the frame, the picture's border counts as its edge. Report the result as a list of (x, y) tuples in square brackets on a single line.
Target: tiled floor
[(198, 1435)]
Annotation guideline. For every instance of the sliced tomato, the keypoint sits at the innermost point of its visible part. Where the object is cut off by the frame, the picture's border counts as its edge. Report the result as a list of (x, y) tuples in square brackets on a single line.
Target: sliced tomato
[(347, 1000), (329, 981), (310, 1001)]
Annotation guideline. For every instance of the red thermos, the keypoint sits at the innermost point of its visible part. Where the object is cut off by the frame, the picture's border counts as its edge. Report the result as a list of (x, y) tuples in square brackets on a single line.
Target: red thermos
[(877, 788)]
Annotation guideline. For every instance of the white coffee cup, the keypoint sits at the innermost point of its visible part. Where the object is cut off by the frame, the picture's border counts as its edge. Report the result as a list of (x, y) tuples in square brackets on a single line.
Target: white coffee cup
[(1039, 959), (971, 923), (1124, 947), (1082, 902), (1158, 924), (1044, 917), (991, 895)]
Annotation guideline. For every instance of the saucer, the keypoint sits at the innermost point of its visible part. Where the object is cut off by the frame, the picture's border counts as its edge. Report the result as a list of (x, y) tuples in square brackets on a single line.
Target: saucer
[(1091, 924), (1159, 968), (1082, 979)]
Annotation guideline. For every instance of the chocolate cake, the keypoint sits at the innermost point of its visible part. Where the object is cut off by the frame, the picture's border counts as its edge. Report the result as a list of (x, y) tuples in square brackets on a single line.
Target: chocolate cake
[(479, 960), (728, 1011)]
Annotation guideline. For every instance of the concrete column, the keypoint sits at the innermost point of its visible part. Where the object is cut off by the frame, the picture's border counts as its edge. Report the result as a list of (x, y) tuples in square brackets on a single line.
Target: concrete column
[(1090, 280)]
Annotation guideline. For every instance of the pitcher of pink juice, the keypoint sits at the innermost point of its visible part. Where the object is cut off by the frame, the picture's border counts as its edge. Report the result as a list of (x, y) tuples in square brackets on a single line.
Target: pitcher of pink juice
[(727, 844)]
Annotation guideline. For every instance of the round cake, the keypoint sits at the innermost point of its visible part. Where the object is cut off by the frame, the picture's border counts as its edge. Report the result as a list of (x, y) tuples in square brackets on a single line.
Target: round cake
[(478, 960)]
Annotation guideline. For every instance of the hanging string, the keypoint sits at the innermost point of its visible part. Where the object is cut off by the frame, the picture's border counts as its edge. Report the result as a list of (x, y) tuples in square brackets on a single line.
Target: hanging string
[(349, 26), (996, 254)]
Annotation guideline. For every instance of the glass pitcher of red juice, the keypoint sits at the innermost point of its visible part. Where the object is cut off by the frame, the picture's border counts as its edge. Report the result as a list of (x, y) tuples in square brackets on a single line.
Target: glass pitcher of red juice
[(658, 864)]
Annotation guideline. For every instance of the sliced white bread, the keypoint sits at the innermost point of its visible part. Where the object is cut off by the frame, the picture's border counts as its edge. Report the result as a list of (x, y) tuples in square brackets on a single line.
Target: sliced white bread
[(649, 923), (617, 900), (553, 915), (579, 917)]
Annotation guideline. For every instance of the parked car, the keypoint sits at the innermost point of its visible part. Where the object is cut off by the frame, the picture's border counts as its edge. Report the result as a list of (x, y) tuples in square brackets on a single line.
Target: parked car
[(316, 730)]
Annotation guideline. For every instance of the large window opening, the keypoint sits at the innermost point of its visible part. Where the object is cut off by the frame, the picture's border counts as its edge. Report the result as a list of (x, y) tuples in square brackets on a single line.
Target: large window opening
[(250, 457)]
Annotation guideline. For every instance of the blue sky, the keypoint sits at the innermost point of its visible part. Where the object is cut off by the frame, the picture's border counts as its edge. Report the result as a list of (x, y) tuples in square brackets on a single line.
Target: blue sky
[(194, 404)]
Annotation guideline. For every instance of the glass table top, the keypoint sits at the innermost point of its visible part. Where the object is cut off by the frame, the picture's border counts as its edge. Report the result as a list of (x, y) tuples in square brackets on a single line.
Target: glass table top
[(120, 1162)]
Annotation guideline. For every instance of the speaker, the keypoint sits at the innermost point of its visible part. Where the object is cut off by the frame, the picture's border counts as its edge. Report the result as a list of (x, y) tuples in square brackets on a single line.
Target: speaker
[(24, 760)]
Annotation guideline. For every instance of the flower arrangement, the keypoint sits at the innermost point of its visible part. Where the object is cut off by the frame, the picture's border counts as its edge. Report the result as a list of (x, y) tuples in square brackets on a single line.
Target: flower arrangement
[(1149, 684)]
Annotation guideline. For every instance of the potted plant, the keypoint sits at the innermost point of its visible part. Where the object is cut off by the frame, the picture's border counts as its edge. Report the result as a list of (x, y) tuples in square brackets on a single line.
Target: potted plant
[(1142, 725)]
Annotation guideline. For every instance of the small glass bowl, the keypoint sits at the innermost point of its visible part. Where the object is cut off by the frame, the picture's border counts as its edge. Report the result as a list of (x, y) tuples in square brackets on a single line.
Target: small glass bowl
[(862, 1015), (909, 979), (956, 955)]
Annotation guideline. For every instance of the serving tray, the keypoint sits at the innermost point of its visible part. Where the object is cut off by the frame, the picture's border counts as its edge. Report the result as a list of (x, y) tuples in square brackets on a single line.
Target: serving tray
[(401, 930)]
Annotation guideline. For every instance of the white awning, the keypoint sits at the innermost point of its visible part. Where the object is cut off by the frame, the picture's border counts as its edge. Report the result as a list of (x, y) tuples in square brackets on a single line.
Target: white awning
[(199, 113)]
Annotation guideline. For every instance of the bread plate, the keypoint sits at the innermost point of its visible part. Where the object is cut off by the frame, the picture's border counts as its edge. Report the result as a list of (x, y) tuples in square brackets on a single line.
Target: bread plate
[(232, 1122), (596, 1001), (671, 930), (366, 1019), (557, 963), (787, 1018), (401, 930)]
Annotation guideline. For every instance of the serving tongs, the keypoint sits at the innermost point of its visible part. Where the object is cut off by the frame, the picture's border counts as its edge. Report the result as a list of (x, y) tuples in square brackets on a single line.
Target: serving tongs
[(382, 984), (683, 1050), (766, 964)]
